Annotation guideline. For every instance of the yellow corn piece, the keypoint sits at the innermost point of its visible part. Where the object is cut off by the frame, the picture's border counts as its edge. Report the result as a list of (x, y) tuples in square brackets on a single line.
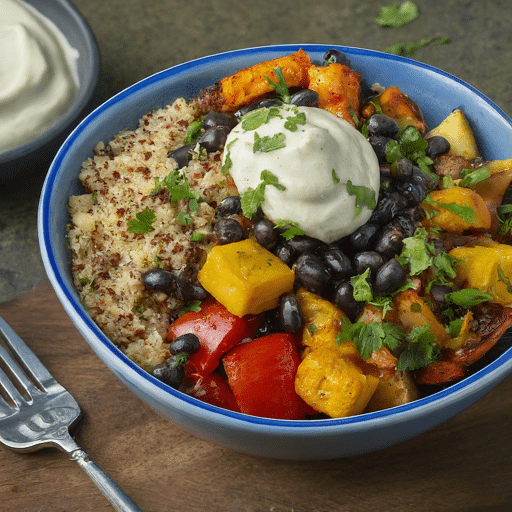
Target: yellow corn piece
[(450, 221), (245, 277), (333, 384), (478, 268)]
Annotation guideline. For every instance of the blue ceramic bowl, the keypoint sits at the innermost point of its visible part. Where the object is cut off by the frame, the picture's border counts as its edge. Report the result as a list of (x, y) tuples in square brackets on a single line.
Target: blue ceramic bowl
[(35, 155), (436, 93)]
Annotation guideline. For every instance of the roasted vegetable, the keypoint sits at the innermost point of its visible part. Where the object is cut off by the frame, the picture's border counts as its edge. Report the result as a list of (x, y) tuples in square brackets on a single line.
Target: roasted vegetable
[(457, 131), (486, 266), (245, 277), (249, 84), (338, 90), (261, 374), (465, 209), (394, 103), (398, 390)]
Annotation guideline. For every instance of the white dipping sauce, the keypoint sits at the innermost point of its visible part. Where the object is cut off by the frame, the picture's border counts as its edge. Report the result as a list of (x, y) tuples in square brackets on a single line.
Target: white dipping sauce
[(38, 73), (314, 166)]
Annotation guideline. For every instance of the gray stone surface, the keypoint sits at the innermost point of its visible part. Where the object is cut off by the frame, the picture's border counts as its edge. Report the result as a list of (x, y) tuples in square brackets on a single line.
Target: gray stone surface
[(140, 37)]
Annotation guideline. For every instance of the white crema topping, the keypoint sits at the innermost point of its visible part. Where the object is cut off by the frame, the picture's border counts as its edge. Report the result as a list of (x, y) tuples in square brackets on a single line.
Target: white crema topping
[(327, 172), (38, 76)]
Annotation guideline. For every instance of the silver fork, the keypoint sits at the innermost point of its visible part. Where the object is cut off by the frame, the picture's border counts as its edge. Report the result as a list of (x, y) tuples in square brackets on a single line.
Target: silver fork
[(36, 412)]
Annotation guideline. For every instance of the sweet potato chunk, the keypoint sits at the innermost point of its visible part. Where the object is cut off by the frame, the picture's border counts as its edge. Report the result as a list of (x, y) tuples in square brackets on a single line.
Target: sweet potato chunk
[(402, 109), (247, 85), (454, 222), (245, 277), (338, 89)]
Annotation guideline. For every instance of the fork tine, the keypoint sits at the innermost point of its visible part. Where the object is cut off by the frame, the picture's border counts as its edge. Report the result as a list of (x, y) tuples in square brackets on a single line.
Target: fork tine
[(12, 393), (37, 370)]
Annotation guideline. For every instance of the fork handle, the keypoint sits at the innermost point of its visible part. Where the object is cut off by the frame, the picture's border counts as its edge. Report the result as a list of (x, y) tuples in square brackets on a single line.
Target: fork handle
[(116, 496)]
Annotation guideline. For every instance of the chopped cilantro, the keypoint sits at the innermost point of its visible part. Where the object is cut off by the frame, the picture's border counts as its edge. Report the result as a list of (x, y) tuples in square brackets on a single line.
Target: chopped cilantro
[(504, 279), (258, 117), (193, 131), (370, 337), (468, 297), (292, 122), (141, 224), (335, 178), (504, 212), (421, 350), (280, 86), (292, 230), (228, 163), (362, 288), (197, 237), (267, 144), (409, 49), (184, 218), (364, 197), (397, 15), (253, 198)]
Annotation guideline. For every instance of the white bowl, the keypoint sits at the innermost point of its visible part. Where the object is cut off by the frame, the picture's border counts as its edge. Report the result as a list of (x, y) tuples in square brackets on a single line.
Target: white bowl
[(436, 93), (35, 154)]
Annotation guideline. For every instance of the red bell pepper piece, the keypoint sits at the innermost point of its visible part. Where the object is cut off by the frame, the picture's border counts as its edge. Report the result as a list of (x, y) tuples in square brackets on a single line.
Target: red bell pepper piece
[(261, 374), (218, 331), (212, 389)]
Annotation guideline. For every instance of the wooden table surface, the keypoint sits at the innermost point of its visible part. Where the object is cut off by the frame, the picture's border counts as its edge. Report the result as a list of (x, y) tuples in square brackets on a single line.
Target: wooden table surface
[(464, 465)]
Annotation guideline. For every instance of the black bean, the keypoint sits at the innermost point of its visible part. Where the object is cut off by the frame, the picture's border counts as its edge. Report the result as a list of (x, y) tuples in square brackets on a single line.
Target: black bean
[(367, 260), (344, 299), (303, 243), (290, 314), (265, 233), (438, 293), (214, 118), (182, 155), (409, 219), (338, 263), (381, 124), (268, 102), (188, 343), (286, 254), (170, 372), (437, 146), (312, 273), (363, 237), (161, 280), (389, 278), (389, 242), (414, 190), (228, 231), (389, 205), (304, 98), (229, 206), (379, 144), (214, 139), (335, 56), (187, 291)]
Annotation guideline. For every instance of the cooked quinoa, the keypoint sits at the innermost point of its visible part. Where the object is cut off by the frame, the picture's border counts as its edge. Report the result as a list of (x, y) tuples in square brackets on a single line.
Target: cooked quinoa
[(108, 259)]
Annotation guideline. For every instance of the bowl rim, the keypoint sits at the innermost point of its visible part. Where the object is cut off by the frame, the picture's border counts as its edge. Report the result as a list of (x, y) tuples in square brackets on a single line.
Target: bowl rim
[(84, 94), (494, 371)]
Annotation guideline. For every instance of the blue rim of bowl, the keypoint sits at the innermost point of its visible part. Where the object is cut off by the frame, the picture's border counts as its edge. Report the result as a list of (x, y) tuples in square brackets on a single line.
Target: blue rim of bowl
[(84, 96), (75, 309)]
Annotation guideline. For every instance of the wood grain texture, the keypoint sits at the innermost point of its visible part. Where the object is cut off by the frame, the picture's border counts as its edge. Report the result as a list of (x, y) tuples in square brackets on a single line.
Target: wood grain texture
[(464, 465)]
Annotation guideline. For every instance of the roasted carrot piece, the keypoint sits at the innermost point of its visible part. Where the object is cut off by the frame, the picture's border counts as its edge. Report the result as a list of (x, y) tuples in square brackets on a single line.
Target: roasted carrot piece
[(400, 107), (338, 89), (247, 85)]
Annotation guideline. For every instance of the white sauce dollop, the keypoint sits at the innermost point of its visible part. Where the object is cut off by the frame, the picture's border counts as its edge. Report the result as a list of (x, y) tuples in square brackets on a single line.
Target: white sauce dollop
[(38, 73), (315, 164)]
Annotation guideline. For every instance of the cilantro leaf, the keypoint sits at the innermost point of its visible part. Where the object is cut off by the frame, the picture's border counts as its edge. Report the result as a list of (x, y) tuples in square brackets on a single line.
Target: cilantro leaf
[(267, 144), (258, 117), (141, 224), (253, 198), (362, 288), (292, 230), (280, 86), (504, 279), (468, 297), (292, 122), (416, 252), (410, 49), (335, 178), (364, 197), (465, 212), (397, 15), (193, 131), (421, 350), (228, 163)]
